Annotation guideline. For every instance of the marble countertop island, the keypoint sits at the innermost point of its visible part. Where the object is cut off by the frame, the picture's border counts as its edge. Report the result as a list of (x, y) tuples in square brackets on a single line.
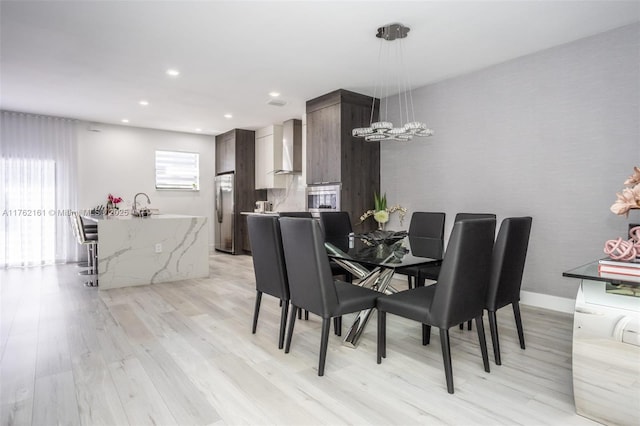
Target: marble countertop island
[(149, 250)]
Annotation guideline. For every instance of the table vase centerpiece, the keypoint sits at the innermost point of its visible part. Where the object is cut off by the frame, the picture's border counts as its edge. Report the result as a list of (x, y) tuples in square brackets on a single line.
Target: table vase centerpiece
[(381, 212)]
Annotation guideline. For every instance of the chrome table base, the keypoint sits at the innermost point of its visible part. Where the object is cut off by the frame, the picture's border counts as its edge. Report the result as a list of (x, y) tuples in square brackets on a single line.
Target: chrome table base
[(377, 279)]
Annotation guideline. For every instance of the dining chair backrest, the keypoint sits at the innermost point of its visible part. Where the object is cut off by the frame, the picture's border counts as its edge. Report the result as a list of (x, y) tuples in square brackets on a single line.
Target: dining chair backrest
[(306, 215), (426, 234), (336, 227), (310, 278), (509, 255), (268, 256), (463, 216), (461, 290)]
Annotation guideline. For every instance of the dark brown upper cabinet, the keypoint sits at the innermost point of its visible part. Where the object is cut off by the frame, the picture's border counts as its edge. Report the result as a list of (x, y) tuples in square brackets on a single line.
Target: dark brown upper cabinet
[(333, 155)]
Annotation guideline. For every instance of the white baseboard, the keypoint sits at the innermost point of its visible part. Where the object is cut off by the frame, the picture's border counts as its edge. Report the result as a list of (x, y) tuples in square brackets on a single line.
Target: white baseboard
[(539, 300), (555, 303)]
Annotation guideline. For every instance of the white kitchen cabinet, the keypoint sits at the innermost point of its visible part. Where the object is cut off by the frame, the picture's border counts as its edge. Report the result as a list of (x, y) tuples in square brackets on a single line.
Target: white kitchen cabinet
[(269, 157)]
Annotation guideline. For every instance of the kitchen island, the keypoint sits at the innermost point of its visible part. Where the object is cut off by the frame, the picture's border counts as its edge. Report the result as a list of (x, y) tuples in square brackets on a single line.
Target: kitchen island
[(149, 250)]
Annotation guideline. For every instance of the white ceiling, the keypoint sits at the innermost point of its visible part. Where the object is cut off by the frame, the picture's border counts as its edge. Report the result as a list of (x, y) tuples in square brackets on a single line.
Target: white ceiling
[(95, 60)]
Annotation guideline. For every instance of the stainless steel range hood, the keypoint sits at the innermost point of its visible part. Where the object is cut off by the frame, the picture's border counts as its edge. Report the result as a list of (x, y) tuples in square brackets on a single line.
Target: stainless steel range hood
[(291, 147)]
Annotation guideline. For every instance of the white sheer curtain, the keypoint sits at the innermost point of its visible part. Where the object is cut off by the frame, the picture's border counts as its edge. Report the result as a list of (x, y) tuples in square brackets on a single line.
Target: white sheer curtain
[(38, 181)]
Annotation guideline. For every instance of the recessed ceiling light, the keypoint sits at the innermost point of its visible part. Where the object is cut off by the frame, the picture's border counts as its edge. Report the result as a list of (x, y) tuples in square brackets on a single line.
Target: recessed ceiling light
[(198, 130), (125, 120), (173, 72), (143, 102), (274, 94), (228, 116)]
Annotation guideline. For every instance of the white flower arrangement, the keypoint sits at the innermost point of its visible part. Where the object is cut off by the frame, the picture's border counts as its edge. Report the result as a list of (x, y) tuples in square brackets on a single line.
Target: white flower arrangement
[(381, 212)]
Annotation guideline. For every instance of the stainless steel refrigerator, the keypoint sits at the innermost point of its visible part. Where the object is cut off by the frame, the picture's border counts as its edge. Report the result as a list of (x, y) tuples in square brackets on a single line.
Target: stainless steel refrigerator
[(224, 214)]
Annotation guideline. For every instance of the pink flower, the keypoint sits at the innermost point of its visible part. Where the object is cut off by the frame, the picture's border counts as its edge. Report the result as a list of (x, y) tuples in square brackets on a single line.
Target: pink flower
[(113, 199), (627, 200), (630, 196), (634, 178)]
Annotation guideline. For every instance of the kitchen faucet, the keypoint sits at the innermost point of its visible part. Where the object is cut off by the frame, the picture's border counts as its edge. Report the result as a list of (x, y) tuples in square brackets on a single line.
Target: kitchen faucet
[(135, 203)]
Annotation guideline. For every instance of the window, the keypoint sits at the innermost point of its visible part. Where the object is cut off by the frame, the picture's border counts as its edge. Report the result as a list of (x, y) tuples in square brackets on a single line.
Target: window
[(177, 170), (28, 223)]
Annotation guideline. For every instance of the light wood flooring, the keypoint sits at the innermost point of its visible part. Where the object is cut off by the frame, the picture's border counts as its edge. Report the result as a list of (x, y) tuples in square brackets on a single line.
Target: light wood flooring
[(183, 353)]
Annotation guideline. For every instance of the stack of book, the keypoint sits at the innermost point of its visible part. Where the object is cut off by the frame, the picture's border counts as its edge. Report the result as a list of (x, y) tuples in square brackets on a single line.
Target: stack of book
[(619, 270)]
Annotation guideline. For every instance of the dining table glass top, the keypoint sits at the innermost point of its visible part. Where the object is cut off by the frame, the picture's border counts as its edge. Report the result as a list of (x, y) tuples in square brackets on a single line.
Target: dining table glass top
[(380, 248)]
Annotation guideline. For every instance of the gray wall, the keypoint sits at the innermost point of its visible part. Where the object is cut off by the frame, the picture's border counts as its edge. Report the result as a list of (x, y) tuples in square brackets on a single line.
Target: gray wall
[(552, 135)]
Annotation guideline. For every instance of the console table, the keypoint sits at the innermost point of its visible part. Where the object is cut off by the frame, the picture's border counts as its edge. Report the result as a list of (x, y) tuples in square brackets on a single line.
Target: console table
[(606, 347)]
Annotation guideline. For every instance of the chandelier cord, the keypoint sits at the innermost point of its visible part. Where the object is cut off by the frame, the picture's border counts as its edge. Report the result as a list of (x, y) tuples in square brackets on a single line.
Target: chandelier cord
[(398, 79), (375, 87), (407, 86), (385, 86)]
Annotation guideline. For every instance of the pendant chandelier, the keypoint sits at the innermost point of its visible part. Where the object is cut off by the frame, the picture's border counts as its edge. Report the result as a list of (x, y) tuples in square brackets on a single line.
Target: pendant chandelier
[(384, 130)]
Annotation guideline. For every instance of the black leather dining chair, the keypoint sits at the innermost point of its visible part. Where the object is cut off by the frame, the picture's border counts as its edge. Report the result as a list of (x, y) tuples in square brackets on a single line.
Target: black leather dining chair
[(336, 227), (295, 214), (269, 267), (311, 282), (509, 255), (432, 272), (426, 237), (306, 215), (458, 296)]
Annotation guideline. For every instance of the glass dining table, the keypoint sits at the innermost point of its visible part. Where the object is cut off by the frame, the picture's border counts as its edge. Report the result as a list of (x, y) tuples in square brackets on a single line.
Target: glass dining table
[(372, 259)]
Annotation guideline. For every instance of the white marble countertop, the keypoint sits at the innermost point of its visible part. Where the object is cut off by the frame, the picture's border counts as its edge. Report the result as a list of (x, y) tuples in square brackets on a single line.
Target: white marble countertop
[(128, 216), (260, 213)]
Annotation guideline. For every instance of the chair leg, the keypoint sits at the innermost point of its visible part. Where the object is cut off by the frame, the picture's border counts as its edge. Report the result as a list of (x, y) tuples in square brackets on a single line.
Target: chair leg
[(409, 281), (493, 326), (306, 315), (461, 325), (299, 313), (446, 357), (256, 311), (292, 321), (426, 334), (382, 336), (469, 325), (516, 313), (324, 342), (283, 322), (337, 326), (483, 343)]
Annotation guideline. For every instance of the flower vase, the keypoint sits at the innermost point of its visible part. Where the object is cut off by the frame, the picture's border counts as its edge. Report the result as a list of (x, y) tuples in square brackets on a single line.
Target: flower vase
[(381, 226), (109, 208)]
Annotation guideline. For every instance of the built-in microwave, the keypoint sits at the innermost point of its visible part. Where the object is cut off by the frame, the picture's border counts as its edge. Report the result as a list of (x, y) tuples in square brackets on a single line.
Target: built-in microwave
[(323, 198)]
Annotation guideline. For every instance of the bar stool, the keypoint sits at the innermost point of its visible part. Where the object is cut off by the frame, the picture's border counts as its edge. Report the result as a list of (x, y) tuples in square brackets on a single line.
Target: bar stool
[(90, 240), (88, 229)]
